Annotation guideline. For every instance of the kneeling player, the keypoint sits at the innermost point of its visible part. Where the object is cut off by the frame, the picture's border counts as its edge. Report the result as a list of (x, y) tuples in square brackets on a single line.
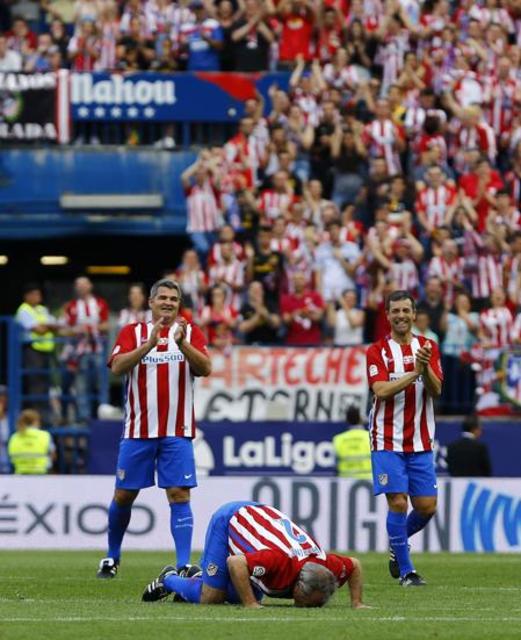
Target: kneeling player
[(253, 550)]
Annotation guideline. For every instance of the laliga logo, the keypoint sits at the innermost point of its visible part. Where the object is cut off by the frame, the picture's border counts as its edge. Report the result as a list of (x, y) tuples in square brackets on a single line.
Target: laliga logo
[(482, 513)]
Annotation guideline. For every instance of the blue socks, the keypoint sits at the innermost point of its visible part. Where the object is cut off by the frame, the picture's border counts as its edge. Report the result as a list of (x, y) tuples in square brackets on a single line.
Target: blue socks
[(188, 588), (416, 522), (119, 517), (182, 526), (397, 531)]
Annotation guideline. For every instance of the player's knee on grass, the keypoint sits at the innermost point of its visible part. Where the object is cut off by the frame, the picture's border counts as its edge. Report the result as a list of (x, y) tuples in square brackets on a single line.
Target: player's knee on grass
[(178, 494), (209, 595), (125, 497), (397, 502)]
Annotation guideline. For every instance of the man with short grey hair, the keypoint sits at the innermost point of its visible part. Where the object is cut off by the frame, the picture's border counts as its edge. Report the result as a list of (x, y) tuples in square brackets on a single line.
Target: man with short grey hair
[(252, 550), (161, 360)]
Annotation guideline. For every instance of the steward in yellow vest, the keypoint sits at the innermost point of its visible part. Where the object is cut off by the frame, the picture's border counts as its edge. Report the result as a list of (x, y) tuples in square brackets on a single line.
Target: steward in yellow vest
[(352, 449), (30, 449), (38, 346)]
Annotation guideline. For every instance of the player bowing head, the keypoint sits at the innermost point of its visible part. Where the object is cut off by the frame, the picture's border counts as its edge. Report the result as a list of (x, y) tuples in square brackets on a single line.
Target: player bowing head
[(315, 585)]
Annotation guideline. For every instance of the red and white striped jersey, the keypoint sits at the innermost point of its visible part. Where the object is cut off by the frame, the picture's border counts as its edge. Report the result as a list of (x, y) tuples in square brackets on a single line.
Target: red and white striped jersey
[(215, 254), (88, 313), (450, 273), (500, 98), (160, 389), (276, 549), (275, 204), (516, 329), (434, 203), (203, 209), (405, 422), (381, 138), (232, 276), (488, 276), (405, 275), (496, 324), (513, 278), (128, 316)]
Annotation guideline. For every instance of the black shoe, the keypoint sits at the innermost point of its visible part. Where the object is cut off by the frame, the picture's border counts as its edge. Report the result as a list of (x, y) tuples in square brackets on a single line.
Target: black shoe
[(156, 589), (412, 579), (107, 569), (190, 571), (394, 567)]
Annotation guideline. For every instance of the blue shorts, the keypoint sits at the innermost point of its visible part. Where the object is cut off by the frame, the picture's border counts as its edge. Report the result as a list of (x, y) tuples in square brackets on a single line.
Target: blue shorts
[(410, 473), (138, 459), (213, 561)]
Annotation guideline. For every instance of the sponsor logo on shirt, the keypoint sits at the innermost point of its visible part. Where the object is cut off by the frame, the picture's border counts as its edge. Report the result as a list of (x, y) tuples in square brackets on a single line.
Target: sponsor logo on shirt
[(258, 572), (408, 359), (373, 370), (212, 569), (163, 358), (383, 479)]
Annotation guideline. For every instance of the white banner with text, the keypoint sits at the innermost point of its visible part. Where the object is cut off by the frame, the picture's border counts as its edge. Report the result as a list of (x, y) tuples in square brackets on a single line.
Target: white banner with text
[(70, 512), (283, 383)]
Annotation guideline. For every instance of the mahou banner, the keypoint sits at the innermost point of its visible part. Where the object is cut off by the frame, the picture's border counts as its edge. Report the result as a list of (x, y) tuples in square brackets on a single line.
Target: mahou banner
[(34, 107), (283, 383)]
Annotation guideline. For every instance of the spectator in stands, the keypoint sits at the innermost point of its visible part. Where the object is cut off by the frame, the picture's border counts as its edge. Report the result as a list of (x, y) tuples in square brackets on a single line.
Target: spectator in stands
[(336, 264), (59, 37), (84, 48), (229, 273), (422, 326), (298, 19), (434, 303), (5, 466), (302, 312), (467, 457), (31, 449), (461, 328), (202, 39), (265, 265), (10, 60), (345, 319), (219, 320), (86, 322), (136, 46), (349, 161), (137, 310), (39, 328), (192, 280), (202, 200), (259, 321), (252, 38)]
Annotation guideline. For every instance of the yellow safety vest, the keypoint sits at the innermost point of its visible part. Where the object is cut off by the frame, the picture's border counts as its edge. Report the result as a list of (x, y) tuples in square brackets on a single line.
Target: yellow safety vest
[(29, 451), (40, 341), (353, 454)]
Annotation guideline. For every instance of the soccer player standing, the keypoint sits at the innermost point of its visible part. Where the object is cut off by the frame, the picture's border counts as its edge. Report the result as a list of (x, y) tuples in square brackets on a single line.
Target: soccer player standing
[(404, 373), (161, 359)]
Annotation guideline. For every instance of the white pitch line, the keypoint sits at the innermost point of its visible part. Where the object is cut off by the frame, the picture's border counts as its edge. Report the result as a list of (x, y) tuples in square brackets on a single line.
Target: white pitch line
[(260, 619)]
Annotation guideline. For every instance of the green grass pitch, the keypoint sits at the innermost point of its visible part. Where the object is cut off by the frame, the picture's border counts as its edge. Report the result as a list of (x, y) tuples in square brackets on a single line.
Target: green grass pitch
[(54, 595)]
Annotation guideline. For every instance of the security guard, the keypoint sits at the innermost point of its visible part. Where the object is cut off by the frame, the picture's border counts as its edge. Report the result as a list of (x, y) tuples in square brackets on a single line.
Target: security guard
[(352, 448), (38, 344), (30, 449)]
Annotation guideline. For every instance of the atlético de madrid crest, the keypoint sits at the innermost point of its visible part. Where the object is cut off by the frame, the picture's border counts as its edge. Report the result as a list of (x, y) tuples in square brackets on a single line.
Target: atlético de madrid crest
[(383, 479)]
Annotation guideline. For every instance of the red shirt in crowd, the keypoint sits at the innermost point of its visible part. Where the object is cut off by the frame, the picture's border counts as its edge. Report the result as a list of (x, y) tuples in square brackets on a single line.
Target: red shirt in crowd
[(302, 330)]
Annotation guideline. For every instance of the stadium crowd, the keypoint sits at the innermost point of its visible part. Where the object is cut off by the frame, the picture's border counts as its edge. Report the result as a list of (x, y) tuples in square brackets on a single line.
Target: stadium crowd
[(393, 161)]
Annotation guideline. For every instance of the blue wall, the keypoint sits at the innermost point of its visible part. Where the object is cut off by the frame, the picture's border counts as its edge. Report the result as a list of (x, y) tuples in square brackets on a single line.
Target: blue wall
[(32, 181)]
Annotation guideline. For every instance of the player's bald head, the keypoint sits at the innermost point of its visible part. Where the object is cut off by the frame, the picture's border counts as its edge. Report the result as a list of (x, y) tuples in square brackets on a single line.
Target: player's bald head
[(315, 585)]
